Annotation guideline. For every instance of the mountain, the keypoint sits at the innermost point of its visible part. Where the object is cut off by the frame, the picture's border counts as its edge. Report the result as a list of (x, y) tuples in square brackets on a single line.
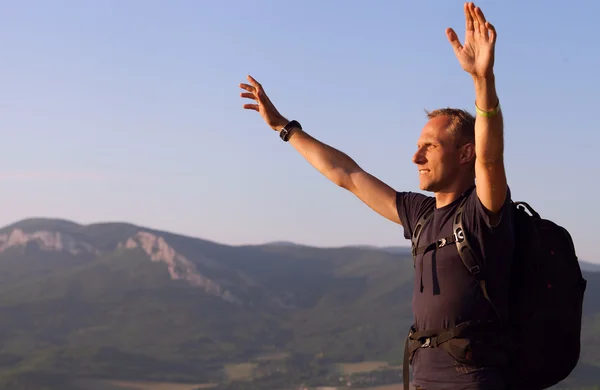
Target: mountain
[(124, 302), (589, 267), (586, 266)]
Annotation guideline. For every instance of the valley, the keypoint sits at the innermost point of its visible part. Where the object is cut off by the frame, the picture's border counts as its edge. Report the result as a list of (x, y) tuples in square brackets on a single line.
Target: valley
[(115, 306)]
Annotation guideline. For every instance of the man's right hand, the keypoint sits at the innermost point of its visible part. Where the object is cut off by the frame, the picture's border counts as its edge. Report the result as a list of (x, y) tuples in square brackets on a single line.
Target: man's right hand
[(338, 167), (264, 105)]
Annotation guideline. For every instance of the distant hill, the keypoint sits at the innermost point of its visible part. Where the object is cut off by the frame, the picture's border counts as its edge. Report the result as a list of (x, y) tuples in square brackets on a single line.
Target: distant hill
[(405, 250), (120, 301), (589, 267)]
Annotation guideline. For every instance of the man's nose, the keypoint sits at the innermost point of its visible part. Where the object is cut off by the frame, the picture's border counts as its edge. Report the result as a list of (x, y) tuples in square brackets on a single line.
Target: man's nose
[(419, 157)]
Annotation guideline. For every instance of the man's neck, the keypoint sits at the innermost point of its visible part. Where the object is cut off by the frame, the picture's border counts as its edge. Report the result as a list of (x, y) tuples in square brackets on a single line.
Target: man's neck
[(445, 197)]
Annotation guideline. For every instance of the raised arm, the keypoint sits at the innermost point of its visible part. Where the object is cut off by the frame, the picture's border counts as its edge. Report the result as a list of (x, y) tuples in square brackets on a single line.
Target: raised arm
[(477, 58), (332, 163)]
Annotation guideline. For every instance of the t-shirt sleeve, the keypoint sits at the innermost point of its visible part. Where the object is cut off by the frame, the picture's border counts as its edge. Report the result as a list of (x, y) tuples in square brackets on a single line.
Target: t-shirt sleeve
[(410, 206), (504, 217), (490, 240)]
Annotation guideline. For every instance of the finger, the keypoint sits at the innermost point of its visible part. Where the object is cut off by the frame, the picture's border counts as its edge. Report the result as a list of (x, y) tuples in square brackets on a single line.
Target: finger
[(481, 20), (493, 33), (468, 18), (255, 83), (479, 14), (247, 87), (474, 18), (251, 107), (248, 95), (453, 39), (260, 94)]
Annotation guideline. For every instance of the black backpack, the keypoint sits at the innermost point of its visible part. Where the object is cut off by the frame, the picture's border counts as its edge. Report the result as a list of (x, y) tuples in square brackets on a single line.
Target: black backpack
[(540, 342)]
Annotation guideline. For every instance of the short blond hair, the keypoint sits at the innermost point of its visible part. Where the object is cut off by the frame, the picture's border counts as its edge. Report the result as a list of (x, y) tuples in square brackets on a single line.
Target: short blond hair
[(462, 127)]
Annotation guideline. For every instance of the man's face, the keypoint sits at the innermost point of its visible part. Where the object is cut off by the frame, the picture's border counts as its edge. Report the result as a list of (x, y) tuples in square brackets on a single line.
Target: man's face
[(437, 157)]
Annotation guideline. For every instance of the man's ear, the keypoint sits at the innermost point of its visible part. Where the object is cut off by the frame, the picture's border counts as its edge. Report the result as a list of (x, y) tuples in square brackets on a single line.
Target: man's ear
[(467, 153)]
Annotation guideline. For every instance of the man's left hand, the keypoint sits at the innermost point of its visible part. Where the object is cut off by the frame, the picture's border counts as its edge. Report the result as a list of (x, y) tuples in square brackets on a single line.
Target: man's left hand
[(476, 56)]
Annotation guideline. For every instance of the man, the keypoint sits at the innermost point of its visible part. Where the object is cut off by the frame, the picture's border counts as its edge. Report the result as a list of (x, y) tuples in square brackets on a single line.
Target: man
[(445, 293)]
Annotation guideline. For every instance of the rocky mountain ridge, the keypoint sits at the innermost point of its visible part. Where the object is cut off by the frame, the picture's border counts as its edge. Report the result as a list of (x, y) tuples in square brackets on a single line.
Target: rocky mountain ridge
[(180, 268), (155, 247), (46, 241)]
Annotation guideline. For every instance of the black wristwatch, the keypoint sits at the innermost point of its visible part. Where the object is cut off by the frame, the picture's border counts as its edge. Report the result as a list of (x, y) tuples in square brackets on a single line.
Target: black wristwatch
[(286, 131)]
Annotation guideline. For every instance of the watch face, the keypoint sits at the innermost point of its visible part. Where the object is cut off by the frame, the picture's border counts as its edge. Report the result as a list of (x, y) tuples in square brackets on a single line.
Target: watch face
[(283, 134)]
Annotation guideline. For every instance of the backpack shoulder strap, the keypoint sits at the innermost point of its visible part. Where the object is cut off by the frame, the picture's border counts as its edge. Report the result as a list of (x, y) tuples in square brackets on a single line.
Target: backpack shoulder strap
[(462, 243), (467, 255), (421, 223)]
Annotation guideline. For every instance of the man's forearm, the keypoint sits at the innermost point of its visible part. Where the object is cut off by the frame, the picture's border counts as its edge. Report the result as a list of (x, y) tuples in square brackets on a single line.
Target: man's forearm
[(332, 163), (489, 138)]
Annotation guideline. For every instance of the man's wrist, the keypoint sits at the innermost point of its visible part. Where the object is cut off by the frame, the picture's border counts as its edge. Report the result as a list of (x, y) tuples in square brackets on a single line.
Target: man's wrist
[(485, 80), (291, 127), (486, 98), (280, 124)]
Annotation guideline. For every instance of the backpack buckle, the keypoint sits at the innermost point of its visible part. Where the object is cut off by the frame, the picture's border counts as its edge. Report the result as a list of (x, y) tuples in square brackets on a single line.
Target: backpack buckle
[(459, 235)]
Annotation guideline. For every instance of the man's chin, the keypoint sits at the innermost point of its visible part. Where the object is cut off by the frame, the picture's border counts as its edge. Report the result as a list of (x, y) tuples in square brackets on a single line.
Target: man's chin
[(426, 186)]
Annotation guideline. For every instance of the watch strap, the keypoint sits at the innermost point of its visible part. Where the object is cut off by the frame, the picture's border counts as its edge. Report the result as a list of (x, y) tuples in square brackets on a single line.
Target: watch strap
[(285, 133)]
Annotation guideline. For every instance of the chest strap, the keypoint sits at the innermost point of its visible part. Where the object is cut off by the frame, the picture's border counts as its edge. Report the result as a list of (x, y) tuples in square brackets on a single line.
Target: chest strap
[(473, 343), (442, 242)]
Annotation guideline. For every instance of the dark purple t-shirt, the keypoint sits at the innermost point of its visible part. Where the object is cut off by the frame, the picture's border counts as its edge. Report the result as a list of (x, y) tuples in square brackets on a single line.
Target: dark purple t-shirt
[(450, 293)]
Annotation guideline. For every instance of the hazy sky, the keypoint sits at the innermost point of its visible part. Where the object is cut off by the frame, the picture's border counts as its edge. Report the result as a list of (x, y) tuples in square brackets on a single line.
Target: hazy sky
[(130, 110)]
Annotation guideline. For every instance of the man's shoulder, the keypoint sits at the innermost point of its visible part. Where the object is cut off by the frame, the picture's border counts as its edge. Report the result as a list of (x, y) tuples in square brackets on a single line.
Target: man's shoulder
[(410, 206), (489, 220), (491, 236)]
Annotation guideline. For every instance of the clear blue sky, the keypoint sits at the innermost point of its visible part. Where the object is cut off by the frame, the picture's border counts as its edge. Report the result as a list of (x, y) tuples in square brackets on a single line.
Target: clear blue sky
[(130, 111)]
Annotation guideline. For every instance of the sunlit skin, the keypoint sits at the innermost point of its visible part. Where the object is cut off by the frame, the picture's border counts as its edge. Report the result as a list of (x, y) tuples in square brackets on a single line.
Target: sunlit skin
[(444, 167), (448, 168)]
